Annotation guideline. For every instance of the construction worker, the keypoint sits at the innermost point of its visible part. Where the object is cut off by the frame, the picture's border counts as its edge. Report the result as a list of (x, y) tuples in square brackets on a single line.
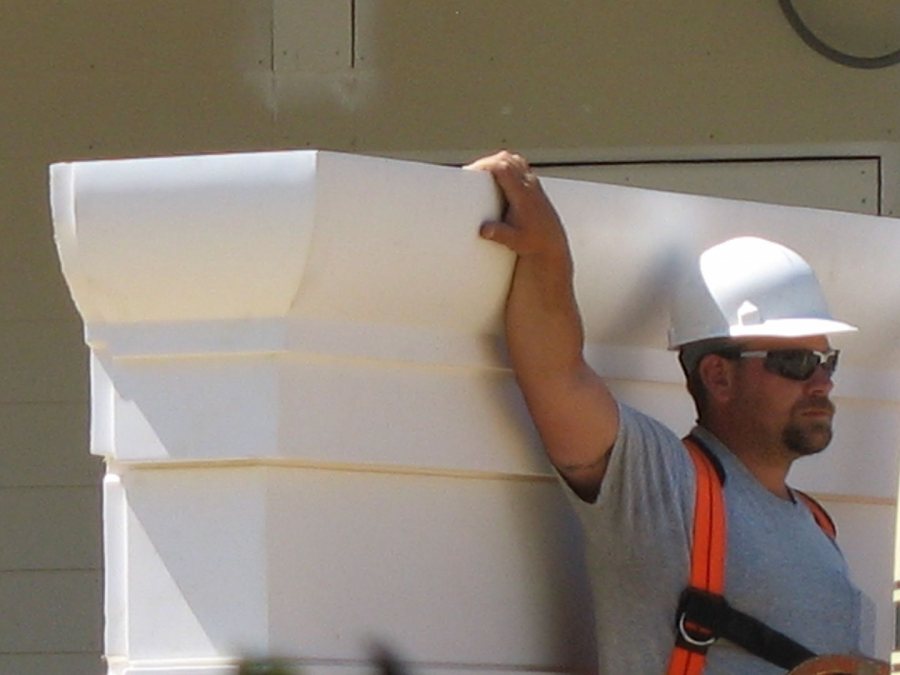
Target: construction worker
[(750, 325)]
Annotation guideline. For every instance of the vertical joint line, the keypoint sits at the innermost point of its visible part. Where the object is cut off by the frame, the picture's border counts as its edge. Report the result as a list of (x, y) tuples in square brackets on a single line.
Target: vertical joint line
[(352, 34), (273, 86), (272, 39)]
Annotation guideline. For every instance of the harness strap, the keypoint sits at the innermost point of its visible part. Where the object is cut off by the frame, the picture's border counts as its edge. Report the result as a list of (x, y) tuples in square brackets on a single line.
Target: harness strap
[(707, 561), (709, 609), (703, 613)]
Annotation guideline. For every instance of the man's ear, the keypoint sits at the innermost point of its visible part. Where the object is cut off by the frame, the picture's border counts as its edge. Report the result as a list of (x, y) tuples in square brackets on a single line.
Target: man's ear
[(717, 374)]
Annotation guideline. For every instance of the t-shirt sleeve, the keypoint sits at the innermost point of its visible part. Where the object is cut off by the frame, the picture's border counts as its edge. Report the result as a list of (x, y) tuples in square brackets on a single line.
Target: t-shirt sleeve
[(649, 481)]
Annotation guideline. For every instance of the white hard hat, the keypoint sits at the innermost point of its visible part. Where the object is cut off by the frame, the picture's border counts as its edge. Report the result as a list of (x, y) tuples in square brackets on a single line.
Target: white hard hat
[(747, 287)]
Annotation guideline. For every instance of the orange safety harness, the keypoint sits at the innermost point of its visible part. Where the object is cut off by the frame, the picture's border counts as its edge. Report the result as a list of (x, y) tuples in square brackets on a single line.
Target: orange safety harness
[(703, 614)]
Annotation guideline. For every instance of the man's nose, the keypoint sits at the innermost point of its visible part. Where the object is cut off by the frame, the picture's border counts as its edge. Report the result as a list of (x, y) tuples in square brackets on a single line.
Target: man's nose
[(820, 381)]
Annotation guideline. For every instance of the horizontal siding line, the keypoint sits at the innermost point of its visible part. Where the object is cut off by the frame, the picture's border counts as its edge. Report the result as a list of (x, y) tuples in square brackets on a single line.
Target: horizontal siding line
[(5, 572), (98, 655), (56, 403), (862, 500), (85, 570), (66, 486), (33, 401), (53, 653), (122, 467), (72, 321)]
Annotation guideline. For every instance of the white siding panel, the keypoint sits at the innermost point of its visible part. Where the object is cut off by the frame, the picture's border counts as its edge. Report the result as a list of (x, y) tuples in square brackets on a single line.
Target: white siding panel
[(46, 612), (45, 361), (30, 278), (52, 664), (46, 444), (50, 528)]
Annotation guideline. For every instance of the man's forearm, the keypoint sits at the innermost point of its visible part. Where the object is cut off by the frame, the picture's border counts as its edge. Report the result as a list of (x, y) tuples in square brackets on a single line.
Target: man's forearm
[(543, 326)]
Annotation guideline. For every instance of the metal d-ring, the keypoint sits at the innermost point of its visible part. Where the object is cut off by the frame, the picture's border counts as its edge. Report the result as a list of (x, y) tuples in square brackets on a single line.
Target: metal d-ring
[(692, 640)]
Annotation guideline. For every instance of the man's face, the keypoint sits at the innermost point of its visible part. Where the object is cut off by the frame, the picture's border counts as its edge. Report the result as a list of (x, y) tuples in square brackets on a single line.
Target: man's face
[(795, 414)]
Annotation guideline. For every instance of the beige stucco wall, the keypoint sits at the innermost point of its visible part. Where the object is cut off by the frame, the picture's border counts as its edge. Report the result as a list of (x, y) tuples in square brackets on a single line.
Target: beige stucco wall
[(430, 79)]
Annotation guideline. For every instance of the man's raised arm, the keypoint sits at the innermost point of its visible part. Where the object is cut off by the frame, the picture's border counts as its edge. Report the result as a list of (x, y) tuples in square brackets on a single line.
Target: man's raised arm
[(572, 408)]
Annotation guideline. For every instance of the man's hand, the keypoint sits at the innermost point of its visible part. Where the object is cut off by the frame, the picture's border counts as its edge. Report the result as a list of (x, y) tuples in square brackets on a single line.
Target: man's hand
[(531, 224)]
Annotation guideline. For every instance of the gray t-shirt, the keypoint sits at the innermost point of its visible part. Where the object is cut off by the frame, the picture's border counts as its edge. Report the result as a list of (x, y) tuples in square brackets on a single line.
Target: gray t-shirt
[(780, 567)]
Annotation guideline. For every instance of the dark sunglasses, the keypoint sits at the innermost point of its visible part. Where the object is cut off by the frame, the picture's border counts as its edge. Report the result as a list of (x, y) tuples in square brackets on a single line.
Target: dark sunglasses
[(794, 364)]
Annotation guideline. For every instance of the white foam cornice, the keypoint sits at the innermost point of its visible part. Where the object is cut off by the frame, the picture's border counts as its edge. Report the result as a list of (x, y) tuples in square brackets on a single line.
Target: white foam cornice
[(270, 251)]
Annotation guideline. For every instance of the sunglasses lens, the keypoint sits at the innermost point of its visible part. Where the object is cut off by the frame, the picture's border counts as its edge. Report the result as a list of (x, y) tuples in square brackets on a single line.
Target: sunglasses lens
[(799, 364)]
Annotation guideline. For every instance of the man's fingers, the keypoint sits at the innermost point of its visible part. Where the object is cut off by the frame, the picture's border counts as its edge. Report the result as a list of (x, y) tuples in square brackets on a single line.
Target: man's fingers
[(480, 164), (512, 173), (496, 161)]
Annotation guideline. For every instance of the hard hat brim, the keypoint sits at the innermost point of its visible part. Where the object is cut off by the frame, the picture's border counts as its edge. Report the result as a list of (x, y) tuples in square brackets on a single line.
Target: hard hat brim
[(787, 328), (791, 328)]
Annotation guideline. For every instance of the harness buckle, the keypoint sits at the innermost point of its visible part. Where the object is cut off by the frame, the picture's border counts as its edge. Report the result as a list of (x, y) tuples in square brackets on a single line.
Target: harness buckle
[(699, 619)]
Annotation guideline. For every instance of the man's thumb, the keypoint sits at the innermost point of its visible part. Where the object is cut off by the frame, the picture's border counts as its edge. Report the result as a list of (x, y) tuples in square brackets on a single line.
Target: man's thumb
[(499, 232)]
